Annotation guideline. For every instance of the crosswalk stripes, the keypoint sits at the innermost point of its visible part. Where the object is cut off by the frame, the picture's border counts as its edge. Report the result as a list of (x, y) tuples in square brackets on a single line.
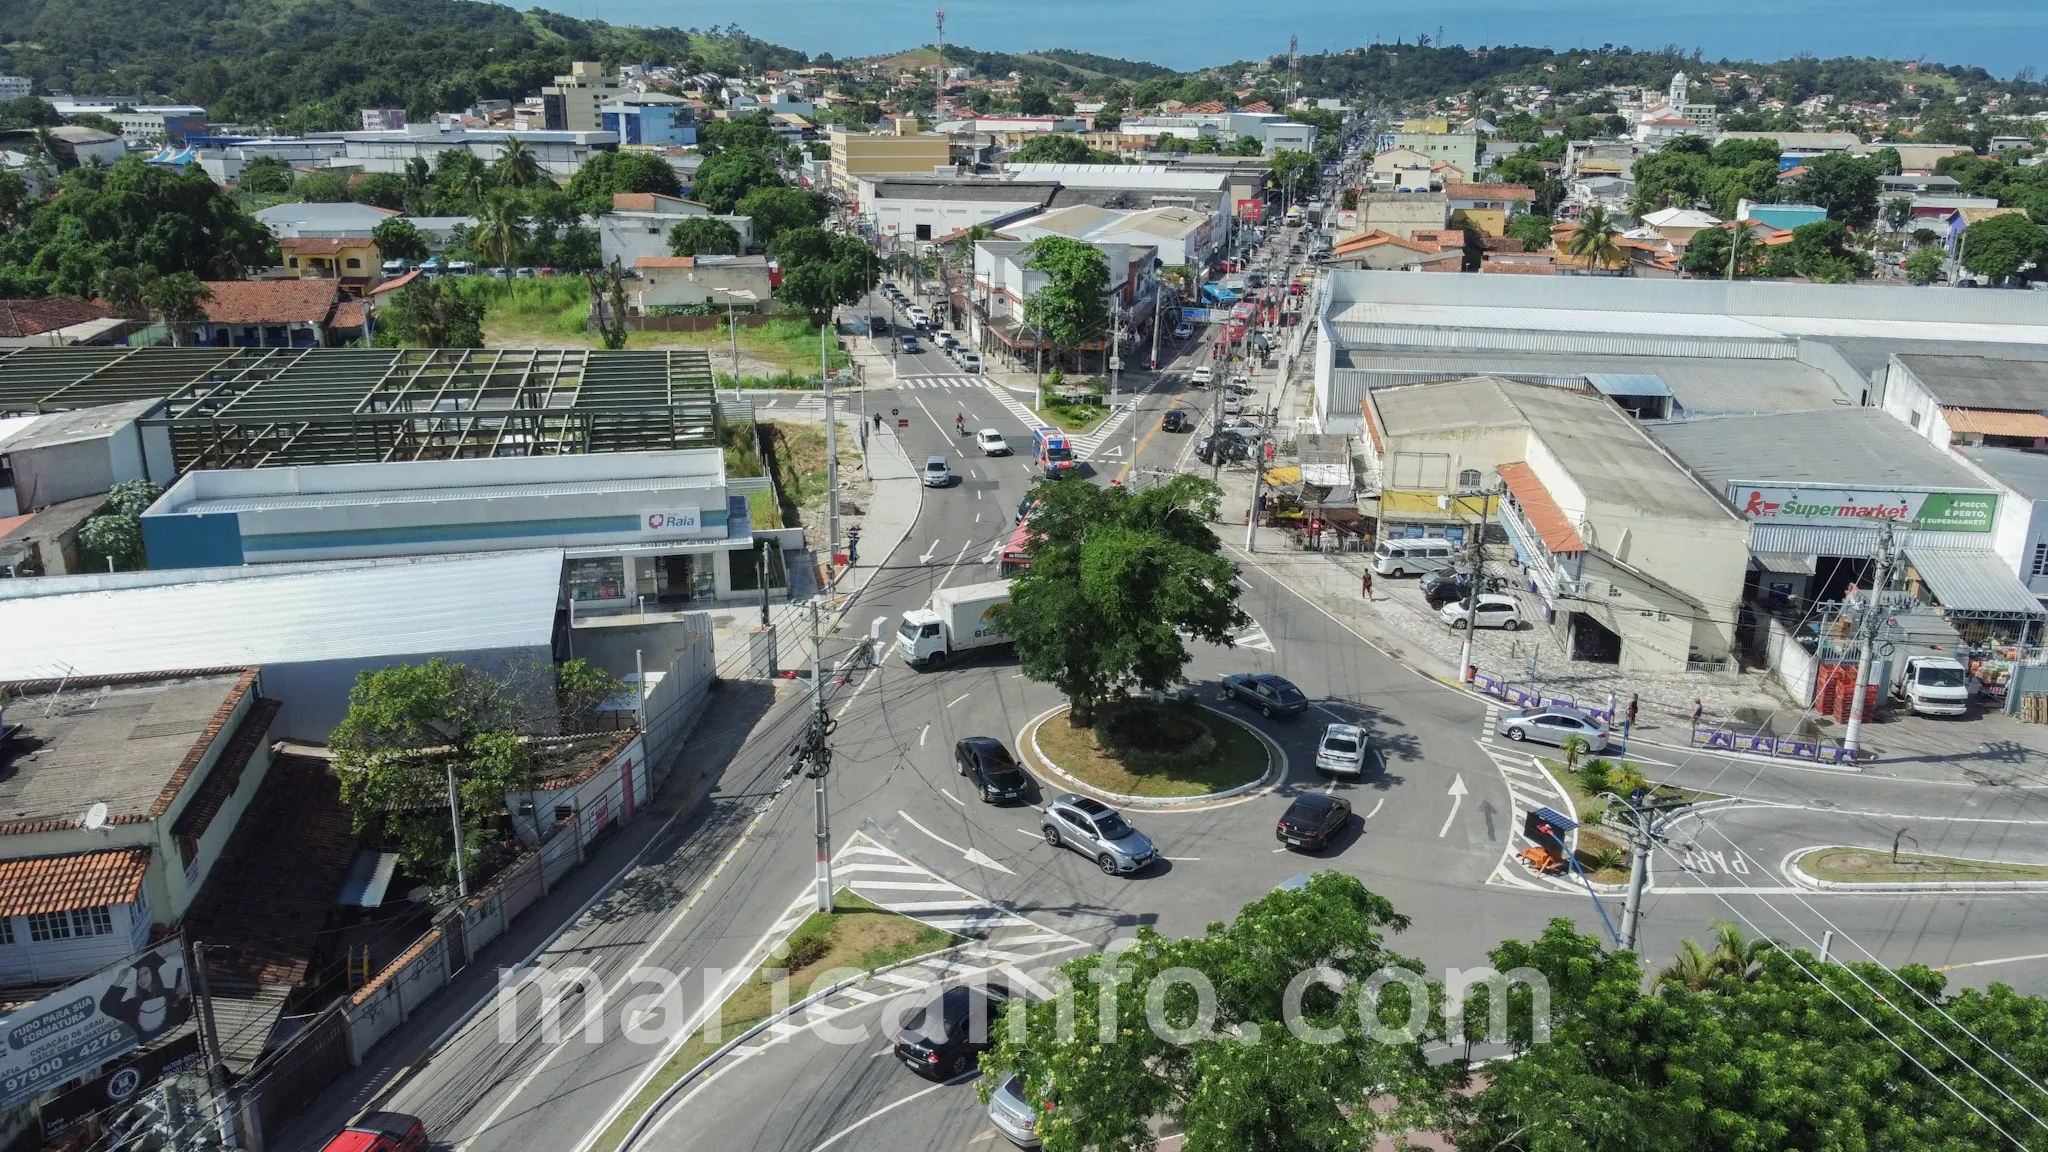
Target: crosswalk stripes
[(1002, 943), (1252, 636), (935, 383), (1529, 788)]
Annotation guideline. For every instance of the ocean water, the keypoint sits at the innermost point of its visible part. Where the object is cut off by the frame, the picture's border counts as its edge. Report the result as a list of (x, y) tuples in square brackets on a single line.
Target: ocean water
[(2002, 36)]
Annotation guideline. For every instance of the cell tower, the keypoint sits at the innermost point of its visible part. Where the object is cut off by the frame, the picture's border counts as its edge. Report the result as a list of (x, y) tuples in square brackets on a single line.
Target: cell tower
[(1293, 80), (939, 81)]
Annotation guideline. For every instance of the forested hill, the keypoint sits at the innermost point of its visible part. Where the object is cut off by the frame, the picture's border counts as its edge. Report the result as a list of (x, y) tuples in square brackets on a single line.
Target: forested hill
[(305, 65)]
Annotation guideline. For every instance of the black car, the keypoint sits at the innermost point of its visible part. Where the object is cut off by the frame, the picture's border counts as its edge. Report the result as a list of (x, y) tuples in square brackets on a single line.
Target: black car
[(984, 760), (878, 326), (1446, 585), (944, 1038), (1174, 421), (1226, 445), (1312, 821), (1270, 694)]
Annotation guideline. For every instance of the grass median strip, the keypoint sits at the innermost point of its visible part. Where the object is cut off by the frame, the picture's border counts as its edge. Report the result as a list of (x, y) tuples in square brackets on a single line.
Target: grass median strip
[(1877, 866), (858, 934), (1230, 757)]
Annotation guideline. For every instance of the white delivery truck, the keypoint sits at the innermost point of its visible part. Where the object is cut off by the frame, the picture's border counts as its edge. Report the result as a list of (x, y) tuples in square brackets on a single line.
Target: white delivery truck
[(1934, 686), (956, 621)]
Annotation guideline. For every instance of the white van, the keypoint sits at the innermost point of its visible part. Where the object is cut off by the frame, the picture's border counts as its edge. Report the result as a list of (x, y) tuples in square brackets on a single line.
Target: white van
[(1405, 557)]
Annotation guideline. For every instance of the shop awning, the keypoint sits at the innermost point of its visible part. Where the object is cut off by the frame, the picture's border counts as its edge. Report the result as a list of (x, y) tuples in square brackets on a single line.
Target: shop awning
[(1976, 583), (1785, 563)]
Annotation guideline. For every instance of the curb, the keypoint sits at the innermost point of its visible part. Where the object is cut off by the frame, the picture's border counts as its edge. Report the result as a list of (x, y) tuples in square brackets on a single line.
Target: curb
[(1578, 818), (1789, 866), (1276, 771), (668, 1094)]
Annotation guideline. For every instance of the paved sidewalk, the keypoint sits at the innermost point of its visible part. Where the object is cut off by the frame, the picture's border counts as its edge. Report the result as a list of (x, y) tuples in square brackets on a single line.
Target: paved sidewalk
[(884, 486)]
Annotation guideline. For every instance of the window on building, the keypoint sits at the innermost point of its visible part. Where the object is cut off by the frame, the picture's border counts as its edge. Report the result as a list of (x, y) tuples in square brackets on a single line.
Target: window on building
[(602, 578), (292, 263), (1469, 478), (354, 263), (2040, 567), (6, 929), (49, 926), (96, 921)]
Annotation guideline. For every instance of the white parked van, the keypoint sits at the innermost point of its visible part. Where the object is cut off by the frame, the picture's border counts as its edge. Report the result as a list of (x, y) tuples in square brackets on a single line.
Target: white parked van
[(1935, 686), (1412, 557)]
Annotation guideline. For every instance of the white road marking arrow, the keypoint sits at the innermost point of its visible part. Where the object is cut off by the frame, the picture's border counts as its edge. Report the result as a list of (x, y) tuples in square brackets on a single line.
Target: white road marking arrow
[(976, 857), (1108, 452), (929, 553), (1457, 798)]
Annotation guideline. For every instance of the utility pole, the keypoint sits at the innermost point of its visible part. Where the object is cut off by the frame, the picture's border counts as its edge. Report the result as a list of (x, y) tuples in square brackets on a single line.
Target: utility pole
[(831, 442), (1867, 628), (1251, 516), (209, 1042), (1215, 432), (734, 329), (817, 757), (455, 816), (939, 81), (1474, 568)]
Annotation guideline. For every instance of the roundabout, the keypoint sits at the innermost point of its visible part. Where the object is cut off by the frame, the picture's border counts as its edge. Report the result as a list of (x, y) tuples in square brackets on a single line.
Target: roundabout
[(1175, 754)]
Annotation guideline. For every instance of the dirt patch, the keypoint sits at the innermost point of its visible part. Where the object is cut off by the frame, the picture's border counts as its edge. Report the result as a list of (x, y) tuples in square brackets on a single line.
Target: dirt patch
[(1876, 866), (858, 934), (1236, 758), (797, 459), (1597, 856)]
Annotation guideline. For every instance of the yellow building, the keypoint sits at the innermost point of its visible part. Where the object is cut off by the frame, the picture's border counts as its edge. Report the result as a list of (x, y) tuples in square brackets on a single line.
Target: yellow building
[(862, 154), (352, 261), (1432, 126), (1485, 207)]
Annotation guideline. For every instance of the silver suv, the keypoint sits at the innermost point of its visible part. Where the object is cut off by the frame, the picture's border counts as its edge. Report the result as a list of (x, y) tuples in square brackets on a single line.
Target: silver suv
[(1096, 831)]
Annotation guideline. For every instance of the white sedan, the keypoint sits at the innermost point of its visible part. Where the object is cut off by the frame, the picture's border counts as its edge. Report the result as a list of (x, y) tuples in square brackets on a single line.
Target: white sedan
[(1491, 611), (991, 442)]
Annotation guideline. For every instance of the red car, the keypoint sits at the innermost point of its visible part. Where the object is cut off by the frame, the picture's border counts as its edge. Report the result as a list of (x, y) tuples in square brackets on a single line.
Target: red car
[(381, 1132)]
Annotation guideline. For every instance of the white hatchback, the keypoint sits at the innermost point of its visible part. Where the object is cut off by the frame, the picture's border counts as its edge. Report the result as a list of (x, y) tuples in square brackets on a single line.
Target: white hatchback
[(991, 442), (1202, 375), (1491, 610)]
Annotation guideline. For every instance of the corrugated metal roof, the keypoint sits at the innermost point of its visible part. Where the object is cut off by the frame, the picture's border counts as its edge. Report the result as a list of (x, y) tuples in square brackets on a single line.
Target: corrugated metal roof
[(301, 613), (1701, 384), (1982, 381), (1977, 582), (1536, 319), (1348, 335), (2024, 472), (1628, 384), (1843, 447), (1819, 541), (264, 503)]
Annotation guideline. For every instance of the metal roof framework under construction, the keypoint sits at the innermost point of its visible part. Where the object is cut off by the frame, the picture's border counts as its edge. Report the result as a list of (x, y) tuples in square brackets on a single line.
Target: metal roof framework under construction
[(258, 407)]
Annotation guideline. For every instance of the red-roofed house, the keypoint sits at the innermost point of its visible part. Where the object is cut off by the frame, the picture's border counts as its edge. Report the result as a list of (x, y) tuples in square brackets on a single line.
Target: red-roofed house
[(267, 314), (1384, 251), (1486, 207), (60, 321)]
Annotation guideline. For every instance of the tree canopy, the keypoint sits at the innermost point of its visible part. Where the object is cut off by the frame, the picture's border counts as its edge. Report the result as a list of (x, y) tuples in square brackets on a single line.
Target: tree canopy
[(703, 236), (774, 210), (152, 219), (431, 314), (608, 172), (1070, 308), (1118, 582), (1847, 186), (398, 239), (2001, 246), (822, 270), (1054, 148), (725, 178)]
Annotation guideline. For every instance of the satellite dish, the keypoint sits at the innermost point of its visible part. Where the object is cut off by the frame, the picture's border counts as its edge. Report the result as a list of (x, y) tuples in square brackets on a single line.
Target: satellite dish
[(95, 817)]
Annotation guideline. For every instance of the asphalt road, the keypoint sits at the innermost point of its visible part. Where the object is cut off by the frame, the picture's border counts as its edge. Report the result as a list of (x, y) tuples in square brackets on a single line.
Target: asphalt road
[(1431, 831)]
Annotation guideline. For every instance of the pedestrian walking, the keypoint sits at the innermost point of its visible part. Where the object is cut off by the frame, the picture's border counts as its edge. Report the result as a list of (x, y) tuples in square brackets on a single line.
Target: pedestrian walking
[(1696, 710), (1631, 710), (1365, 584), (878, 421)]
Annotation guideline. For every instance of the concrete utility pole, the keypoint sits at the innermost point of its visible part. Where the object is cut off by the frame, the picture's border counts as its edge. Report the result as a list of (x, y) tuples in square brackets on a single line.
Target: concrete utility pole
[(831, 443), (1645, 832), (1475, 568), (455, 817), (1867, 628), (818, 757)]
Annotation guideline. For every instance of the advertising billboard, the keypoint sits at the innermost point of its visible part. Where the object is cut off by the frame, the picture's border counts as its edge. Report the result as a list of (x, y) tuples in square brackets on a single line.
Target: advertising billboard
[(72, 1032), (1921, 511)]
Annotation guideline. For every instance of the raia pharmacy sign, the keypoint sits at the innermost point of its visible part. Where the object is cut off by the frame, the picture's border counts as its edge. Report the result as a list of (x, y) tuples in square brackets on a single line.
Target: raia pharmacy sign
[(1920, 511)]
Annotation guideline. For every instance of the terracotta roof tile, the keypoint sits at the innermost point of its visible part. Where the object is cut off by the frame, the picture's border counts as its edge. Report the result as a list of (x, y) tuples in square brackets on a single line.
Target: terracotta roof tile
[(19, 318), (348, 314), (665, 262), (1987, 422), (632, 201), (270, 301), (62, 883), (1540, 510), (395, 284), (1518, 268)]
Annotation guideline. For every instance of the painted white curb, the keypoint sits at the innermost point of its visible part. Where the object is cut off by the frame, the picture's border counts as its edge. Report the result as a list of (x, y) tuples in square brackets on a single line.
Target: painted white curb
[(1804, 879), (1276, 770)]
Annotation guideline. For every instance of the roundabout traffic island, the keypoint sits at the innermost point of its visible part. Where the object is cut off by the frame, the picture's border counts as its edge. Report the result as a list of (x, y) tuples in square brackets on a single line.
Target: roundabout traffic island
[(1843, 868), (1145, 751)]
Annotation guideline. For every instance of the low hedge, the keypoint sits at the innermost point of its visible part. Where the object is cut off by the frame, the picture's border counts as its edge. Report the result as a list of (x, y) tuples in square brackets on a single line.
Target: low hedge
[(1152, 737)]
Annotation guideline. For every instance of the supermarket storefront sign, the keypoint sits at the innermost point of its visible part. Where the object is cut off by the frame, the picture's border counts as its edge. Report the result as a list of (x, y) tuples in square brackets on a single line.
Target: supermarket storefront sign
[(1922, 511)]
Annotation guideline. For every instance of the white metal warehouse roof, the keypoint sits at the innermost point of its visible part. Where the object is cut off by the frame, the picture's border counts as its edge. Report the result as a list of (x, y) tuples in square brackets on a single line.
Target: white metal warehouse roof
[(284, 613), (1977, 582)]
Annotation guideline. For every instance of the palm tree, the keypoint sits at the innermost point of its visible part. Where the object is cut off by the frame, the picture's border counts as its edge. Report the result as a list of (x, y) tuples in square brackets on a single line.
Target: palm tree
[(500, 230), (1573, 747), (1737, 956), (1692, 969), (418, 181), (517, 167), (179, 300), (1742, 250), (1594, 239)]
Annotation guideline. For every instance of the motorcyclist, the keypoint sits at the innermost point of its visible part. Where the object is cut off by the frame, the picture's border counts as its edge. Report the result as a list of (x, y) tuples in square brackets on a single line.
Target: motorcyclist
[(960, 425)]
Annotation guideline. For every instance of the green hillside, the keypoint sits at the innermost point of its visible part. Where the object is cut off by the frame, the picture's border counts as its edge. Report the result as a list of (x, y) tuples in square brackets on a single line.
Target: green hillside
[(309, 64)]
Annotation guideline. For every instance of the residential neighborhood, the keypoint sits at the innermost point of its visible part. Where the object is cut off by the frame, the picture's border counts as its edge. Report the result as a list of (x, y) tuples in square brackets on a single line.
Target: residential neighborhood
[(571, 585)]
